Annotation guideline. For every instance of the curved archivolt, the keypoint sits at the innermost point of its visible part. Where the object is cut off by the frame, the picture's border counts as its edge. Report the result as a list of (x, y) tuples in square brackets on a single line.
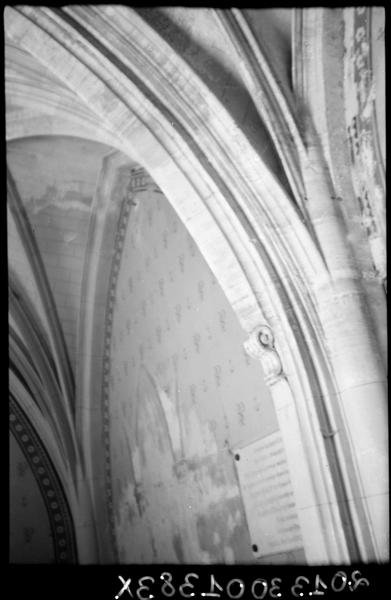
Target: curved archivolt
[(285, 256)]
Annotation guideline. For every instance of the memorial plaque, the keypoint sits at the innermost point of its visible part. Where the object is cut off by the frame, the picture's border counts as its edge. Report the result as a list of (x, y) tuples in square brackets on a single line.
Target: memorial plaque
[(268, 496)]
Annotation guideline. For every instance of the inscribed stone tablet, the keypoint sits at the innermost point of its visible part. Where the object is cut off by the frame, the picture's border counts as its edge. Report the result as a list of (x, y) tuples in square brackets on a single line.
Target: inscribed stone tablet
[(268, 496)]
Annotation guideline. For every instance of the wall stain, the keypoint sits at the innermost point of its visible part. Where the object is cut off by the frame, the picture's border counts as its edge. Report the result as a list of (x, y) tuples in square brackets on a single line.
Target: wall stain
[(140, 498), (153, 545), (234, 542), (178, 547), (131, 513)]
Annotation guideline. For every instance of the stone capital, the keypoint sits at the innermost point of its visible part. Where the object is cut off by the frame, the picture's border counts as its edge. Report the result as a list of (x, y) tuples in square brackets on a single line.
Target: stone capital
[(260, 345)]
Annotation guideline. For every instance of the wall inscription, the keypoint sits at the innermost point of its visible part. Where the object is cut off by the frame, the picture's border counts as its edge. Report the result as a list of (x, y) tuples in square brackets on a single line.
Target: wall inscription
[(268, 496)]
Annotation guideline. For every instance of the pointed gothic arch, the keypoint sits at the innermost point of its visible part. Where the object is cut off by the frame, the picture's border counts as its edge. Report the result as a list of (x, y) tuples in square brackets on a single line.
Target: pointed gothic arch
[(255, 239)]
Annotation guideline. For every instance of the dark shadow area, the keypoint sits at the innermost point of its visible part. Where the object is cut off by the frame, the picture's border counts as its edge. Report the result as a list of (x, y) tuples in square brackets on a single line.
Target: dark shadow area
[(224, 83)]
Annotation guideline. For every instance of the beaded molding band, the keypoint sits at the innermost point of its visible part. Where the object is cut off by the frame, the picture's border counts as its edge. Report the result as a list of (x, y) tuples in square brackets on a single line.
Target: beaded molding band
[(61, 523)]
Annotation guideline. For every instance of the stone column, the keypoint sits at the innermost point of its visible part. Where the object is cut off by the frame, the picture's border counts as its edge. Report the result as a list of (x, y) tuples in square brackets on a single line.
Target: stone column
[(319, 518)]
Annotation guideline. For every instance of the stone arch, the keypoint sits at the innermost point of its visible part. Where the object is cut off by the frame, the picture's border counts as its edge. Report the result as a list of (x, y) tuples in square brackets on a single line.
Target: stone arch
[(247, 228), (40, 104), (34, 259), (37, 404), (27, 430)]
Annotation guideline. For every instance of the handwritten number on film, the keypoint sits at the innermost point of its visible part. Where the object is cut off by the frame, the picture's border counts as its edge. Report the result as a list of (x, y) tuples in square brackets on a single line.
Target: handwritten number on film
[(141, 594), (338, 584), (235, 588), (167, 588), (188, 585)]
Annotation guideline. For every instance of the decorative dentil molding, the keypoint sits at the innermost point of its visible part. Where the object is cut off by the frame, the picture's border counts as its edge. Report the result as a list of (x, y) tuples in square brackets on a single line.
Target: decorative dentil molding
[(48, 481), (128, 181)]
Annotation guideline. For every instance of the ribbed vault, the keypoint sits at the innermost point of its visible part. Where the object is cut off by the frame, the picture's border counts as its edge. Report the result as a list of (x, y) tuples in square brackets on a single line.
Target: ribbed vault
[(278, 244)]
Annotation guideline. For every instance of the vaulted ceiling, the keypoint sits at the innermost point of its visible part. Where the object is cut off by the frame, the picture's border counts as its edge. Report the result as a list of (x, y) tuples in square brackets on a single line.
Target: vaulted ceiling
[(184, 181)]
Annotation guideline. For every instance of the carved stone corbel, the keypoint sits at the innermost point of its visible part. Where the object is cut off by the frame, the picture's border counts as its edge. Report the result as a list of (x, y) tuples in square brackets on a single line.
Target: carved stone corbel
[(260, 345)]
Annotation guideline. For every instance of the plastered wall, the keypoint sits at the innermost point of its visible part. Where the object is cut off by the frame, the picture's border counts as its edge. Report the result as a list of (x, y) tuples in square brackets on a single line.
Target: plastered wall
[(183, 397)]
